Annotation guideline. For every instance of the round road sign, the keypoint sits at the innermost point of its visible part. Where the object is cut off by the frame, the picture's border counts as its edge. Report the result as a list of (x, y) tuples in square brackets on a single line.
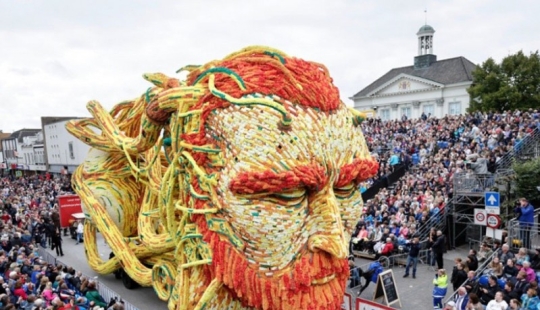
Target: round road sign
[(480, 217), (493, 221)]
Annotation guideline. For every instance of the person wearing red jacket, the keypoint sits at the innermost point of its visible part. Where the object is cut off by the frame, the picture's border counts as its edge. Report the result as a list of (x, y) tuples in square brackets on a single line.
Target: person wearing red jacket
[(387, 249), (19, 291)]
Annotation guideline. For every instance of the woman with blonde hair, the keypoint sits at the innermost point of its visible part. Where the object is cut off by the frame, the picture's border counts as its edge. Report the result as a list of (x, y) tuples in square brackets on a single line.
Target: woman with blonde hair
[(440, 287), (48, 294), (495, 268), (521, 257)]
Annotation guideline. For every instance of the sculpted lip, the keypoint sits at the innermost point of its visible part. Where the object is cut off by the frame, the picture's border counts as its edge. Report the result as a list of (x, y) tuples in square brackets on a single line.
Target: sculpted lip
[(323, 280)]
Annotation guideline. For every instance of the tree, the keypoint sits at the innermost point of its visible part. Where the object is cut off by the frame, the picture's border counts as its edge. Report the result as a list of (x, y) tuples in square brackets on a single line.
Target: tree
[(528, 180), (512, 84)]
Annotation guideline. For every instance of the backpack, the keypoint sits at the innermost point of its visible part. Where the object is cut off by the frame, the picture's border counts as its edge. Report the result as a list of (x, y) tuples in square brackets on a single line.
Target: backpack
[(377, 268)]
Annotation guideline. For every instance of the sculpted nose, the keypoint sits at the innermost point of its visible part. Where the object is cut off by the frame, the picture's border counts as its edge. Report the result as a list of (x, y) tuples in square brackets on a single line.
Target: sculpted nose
[(325, 226)]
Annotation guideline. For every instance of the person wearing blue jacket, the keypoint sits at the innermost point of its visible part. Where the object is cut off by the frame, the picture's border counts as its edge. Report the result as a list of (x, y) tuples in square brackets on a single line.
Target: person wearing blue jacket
[(526, 221), (439, 290)]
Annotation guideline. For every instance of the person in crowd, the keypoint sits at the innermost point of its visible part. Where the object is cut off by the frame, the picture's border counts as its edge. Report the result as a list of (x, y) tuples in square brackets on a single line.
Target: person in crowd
[(515, 304), (484, 253), (521, 284), (440, 287), (48, 293), (472, 262), (432, 237), (412, 257), (354, 273), (439, 248), (526, 221), (529, 300), (461, 298), (79, 231), (471, 284), (521, 257), (510, 271), (459, 276), (474, 303), (505, 253), (93, 295), (509, 293), (535, 260), (451, 305), (488, 293), (57, 242), (531, 275), (494, 268), (386, 249), (498, 303), (477, 164), (534, 284)]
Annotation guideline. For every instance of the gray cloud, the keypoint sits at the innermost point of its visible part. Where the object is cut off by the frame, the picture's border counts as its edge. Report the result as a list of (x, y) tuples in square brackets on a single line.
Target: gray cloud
[(58, 55)]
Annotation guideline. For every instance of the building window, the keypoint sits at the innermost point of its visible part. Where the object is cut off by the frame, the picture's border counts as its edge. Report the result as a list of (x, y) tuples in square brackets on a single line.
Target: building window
[(385, 114), (406, 111), (429, 109), (454, 108), (71, 153)]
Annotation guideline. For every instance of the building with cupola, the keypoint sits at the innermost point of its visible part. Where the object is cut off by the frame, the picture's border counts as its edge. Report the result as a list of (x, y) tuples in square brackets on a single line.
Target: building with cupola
[(430, 86)]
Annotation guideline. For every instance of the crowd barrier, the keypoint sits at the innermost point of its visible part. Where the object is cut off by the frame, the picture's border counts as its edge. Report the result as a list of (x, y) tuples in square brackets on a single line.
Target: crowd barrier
[(523, 236), (106, 292), (466, 183), (479, 271), (384, 182)]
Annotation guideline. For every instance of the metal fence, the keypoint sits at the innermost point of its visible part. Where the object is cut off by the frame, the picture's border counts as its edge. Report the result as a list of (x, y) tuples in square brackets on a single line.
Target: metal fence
[(478, 272), (467, 183), (526, 149), (106, 292), (523, 235)]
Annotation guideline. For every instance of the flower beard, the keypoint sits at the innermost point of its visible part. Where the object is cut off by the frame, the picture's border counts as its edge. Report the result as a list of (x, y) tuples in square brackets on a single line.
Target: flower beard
[(313, 281)]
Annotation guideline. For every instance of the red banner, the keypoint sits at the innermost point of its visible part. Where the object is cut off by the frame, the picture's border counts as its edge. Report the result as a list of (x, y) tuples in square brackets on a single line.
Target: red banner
[(68, 204), (362, 304)]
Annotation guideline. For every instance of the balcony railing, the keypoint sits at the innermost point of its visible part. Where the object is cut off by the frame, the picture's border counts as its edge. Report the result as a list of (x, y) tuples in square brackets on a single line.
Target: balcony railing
[(470, 183)]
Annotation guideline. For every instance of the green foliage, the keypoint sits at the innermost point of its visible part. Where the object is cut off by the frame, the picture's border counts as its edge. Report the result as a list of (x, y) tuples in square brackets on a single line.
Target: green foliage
[(527, 180), (512, 84)]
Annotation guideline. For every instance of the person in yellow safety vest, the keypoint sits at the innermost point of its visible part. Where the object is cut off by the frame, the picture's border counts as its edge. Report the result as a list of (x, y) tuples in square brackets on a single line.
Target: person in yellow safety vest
[(439, 291)]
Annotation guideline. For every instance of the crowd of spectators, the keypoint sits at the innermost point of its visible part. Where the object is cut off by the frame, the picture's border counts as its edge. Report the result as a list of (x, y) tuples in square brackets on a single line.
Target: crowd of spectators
[(30, 219), (508, 281), (433, 150)]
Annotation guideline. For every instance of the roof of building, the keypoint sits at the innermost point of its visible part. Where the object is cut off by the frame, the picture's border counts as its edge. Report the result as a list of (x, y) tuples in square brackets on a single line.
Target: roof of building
[(47, 120), (447, 71), (21, 133), (426, 29), (3, 135)]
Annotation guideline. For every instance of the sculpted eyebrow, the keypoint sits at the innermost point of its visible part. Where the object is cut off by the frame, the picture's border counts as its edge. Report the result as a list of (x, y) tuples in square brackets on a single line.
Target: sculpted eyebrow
[(359, 170), (312, 176)]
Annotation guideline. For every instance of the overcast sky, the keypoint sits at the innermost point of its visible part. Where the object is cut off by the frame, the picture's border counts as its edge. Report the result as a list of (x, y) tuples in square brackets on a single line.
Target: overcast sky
[(55, 56)]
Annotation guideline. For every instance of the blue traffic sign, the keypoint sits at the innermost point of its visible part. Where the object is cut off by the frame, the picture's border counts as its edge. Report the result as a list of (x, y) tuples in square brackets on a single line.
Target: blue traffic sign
[(492, 199)]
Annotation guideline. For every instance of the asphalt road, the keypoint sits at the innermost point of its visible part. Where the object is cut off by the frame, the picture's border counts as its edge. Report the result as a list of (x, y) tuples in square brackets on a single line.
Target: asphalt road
[(144, 298), (414, 293)]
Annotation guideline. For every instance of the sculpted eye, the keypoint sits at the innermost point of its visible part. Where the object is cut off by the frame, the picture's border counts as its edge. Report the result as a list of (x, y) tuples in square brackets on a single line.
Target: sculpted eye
[(291, 198), (346, 191)]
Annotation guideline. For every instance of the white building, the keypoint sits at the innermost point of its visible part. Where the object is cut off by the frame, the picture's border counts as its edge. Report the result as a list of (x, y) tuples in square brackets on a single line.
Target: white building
[(12, 149), (63, 151), (433, 87), (32, 153)]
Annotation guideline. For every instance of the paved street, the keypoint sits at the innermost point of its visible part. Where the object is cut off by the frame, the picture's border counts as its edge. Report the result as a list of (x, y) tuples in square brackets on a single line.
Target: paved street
[(414, 293)]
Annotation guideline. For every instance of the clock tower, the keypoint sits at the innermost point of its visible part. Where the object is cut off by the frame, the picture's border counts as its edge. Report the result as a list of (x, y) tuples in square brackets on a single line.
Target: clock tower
[(425, 48)]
